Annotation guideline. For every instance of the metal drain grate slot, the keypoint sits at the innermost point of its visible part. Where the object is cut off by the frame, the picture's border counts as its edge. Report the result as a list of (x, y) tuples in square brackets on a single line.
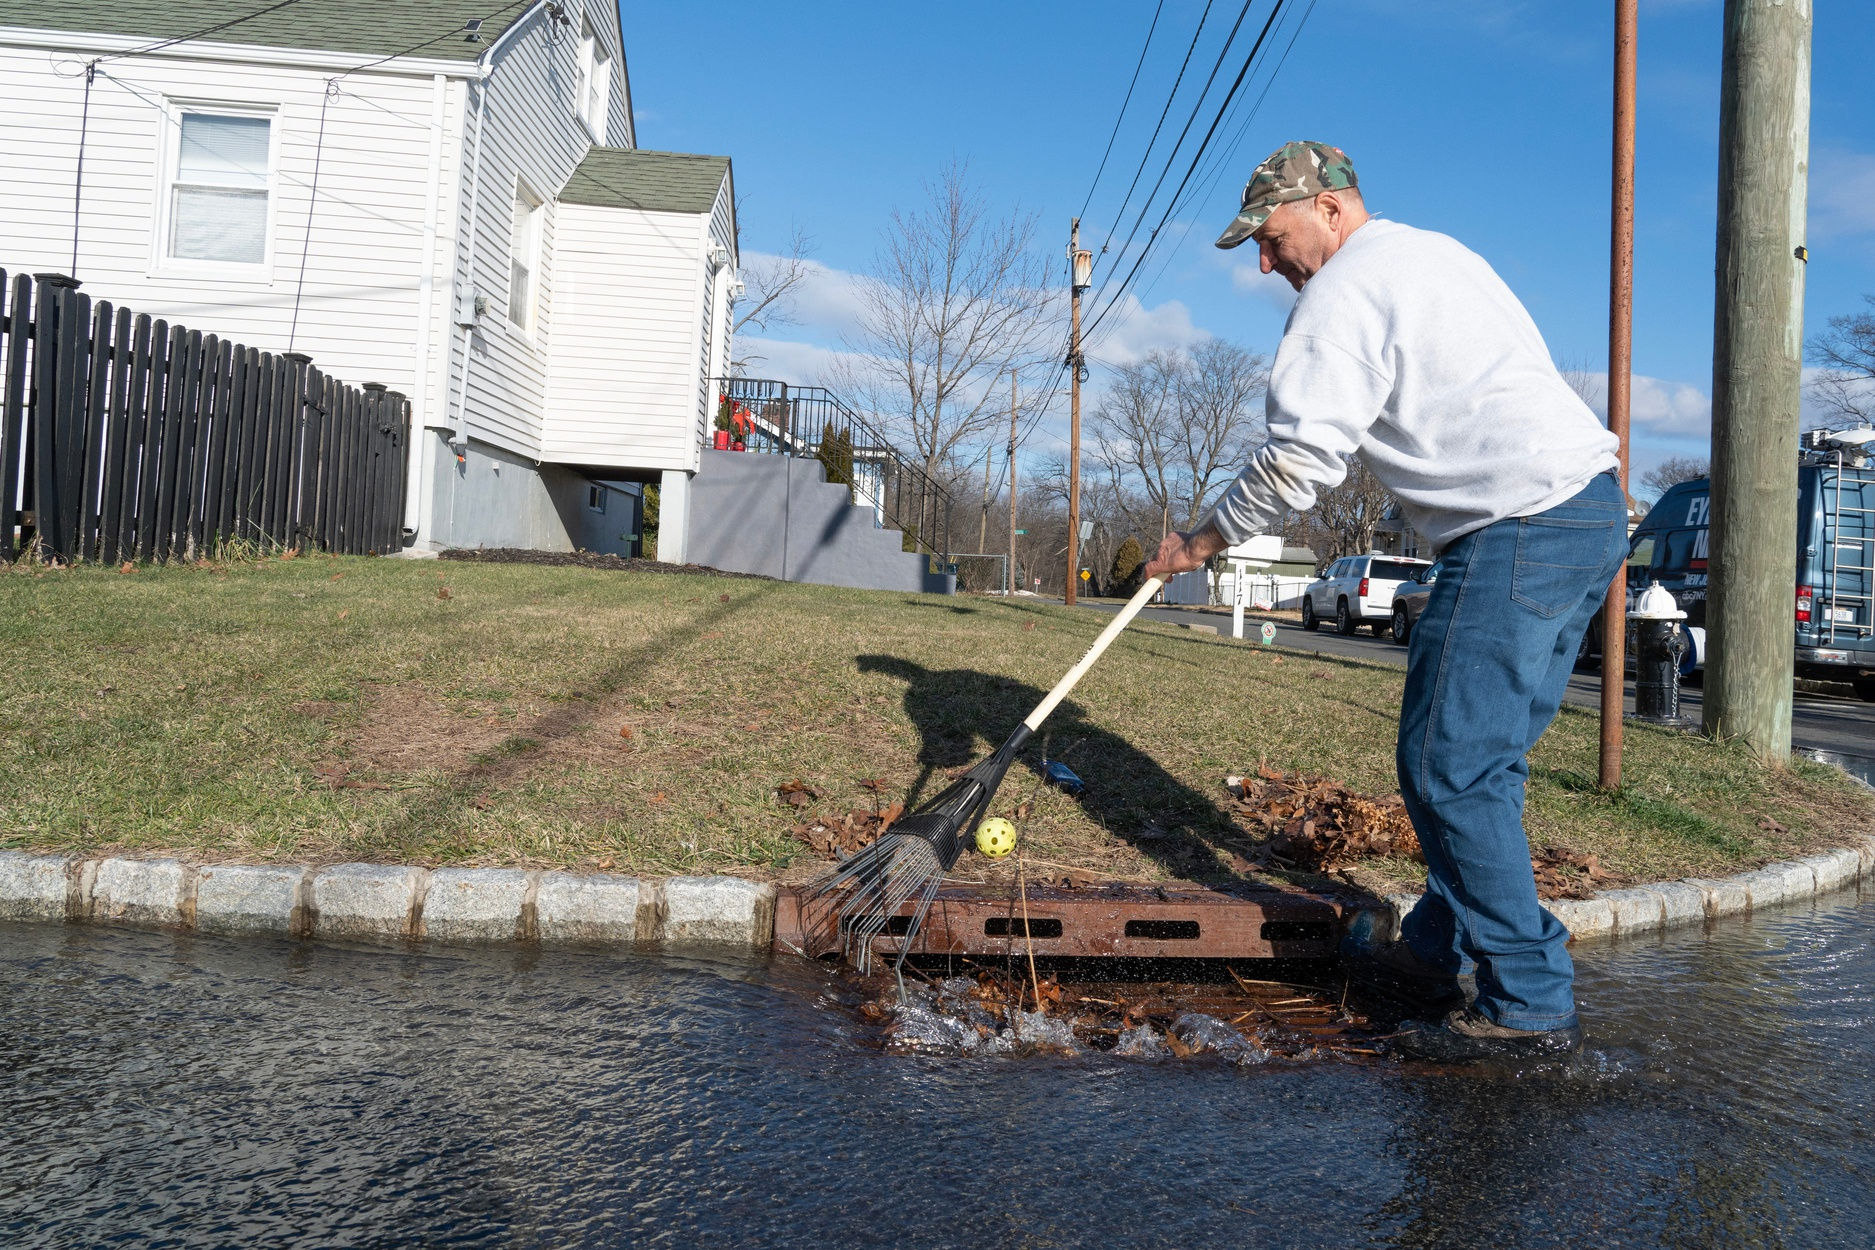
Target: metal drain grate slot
[(1298, 931), (1163, 930), (1004, 926)]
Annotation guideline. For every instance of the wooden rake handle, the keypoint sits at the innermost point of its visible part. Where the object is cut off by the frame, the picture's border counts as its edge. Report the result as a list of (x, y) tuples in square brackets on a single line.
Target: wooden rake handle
[(1120, 621)]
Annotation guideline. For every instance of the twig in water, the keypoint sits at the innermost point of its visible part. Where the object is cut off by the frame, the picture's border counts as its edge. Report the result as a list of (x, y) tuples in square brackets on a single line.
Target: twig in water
[(1028, 938)]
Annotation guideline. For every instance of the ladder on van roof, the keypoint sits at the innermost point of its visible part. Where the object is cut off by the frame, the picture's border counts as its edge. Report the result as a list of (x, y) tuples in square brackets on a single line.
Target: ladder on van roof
[(1848, 554)]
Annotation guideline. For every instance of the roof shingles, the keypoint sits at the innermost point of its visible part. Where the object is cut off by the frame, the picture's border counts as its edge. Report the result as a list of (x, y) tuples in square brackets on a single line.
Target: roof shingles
[(667, 182), (428, 28)]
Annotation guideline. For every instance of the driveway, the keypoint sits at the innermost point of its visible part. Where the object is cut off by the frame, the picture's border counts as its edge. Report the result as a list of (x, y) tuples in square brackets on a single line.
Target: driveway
[(1841, 729)]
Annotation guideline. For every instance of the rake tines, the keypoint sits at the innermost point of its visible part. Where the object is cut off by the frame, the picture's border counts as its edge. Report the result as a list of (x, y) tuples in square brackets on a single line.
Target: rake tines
[(852, 904)]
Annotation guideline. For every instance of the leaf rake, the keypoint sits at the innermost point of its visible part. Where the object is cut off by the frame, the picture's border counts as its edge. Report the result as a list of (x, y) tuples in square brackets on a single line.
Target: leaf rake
[(852, 904)]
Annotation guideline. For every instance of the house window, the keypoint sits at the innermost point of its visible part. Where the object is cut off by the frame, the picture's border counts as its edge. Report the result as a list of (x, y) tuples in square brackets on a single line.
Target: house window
[(595, 81), (218, 207), (595, 498), (524, 265)]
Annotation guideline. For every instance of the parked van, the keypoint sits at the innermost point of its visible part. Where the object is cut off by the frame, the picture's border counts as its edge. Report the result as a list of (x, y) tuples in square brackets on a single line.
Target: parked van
[(1833, 599)]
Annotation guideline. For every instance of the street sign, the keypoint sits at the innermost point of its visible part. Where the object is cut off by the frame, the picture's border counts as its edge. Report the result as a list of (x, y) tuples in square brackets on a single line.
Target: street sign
[(1269, 632), (1085, 575), (1087, 530), (1019, 532)]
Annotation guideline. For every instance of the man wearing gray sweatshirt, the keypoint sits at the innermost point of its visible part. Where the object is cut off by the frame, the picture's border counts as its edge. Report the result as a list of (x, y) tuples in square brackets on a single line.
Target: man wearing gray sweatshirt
[(1407, 349)]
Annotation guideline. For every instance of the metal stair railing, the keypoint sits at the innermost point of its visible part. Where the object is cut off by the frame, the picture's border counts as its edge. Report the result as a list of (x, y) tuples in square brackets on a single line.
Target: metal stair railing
[(813, 423)]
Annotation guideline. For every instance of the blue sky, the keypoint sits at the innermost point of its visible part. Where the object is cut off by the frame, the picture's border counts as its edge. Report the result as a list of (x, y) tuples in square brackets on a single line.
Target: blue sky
[(1486, 119)]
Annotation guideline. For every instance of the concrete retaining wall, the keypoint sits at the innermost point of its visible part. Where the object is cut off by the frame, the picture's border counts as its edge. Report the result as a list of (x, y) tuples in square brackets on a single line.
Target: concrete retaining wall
[(389, 903), (777, 516)]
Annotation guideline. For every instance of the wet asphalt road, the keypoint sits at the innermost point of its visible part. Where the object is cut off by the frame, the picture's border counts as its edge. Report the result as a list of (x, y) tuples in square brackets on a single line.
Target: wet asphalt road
[(1838, 726)]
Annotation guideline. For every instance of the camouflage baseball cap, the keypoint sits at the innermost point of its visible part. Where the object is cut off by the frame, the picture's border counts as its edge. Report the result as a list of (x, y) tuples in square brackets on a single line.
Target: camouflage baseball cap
[(1295, 171)]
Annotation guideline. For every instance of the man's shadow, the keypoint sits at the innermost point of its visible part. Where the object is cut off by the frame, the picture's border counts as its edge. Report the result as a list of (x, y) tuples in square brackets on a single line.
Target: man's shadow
[(962, 715)]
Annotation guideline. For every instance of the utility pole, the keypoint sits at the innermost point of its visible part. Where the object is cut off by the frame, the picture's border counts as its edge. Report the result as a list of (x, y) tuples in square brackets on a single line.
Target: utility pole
[(1757, 372), (1009, 565), (1081, 270), (1620, 374)]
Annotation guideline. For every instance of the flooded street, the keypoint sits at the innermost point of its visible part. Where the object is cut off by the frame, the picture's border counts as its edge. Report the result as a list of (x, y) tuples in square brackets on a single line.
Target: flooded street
[(193, 1091)]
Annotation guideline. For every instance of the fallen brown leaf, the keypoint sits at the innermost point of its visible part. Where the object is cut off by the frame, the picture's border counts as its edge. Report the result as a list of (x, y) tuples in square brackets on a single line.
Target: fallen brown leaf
[(127, 567), (723, 599), (344, 612), (1027, 626), (625, 732), (442, 592)]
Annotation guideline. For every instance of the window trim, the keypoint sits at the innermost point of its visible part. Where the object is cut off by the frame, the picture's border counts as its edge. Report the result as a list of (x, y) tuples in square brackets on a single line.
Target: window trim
[(537, 244), (595, 68), (162, 216)]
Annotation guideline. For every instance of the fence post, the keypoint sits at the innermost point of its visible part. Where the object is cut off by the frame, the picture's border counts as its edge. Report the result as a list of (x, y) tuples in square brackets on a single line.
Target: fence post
[(13, 411)]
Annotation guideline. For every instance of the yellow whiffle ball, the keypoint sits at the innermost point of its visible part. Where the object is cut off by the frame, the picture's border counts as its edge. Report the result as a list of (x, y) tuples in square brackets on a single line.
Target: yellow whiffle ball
[(996, 837)]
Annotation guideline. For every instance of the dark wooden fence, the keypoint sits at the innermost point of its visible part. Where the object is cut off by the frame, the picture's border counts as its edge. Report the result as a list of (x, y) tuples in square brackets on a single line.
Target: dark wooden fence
[(126, 438)]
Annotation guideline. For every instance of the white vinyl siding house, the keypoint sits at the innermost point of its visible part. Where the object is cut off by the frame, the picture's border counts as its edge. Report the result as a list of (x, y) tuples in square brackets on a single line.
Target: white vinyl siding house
[(301, 179), (646, 250)]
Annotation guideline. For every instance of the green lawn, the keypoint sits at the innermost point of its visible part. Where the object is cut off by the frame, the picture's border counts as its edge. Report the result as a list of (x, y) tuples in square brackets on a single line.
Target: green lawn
[(320, 708)]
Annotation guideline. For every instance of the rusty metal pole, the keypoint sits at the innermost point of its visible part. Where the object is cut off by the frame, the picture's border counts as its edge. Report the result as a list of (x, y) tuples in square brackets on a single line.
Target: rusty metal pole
[(1620, 374), (1075, 286)]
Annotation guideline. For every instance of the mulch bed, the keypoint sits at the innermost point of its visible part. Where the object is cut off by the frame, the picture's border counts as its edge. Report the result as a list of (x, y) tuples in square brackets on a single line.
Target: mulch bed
[(586, 560)]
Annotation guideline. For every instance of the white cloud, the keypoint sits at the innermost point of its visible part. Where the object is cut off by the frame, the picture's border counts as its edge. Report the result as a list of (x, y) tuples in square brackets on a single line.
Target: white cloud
[(1657, 407)]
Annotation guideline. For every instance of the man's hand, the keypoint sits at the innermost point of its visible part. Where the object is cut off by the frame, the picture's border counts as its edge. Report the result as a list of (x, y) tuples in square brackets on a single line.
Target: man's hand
[(1181, 553)]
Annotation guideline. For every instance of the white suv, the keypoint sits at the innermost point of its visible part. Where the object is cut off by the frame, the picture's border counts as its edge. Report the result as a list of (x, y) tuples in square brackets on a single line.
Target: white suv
[(1356, 591)]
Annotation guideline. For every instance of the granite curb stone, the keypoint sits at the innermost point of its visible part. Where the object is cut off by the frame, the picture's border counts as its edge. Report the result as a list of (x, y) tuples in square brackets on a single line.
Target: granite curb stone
[(371, 901), (1682, 902), (153, 892), (718, 911), (575, 910), (477, 905), (33, 887), (1778, 883), (250, 898)]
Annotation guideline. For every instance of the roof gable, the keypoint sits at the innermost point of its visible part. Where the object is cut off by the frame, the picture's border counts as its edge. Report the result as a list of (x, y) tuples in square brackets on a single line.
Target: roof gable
[(360, 27), (658, 182)]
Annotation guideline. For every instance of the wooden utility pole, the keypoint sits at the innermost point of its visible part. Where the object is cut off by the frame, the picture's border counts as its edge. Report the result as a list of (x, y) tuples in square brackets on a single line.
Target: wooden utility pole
[(1009, 565), (1757, 372), (1620, 374), (1080, 269)]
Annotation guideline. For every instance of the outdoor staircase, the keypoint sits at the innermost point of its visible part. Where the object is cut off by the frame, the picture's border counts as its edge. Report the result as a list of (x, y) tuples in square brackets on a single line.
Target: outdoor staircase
[(778, 516)]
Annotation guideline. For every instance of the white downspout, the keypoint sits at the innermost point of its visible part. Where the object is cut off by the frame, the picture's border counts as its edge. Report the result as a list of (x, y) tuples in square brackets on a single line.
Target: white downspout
[(417, 499)]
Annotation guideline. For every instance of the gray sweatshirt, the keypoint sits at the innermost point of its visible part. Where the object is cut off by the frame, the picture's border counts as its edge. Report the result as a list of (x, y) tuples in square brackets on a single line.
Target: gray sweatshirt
[(1408, 348)]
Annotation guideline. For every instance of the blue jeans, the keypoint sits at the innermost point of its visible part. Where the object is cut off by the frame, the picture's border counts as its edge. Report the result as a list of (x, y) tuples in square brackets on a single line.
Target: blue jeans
[(1486, 670)]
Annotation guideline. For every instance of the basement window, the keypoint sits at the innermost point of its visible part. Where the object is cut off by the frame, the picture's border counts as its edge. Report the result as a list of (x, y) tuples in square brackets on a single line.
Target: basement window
[(220, 188), (595, 499)]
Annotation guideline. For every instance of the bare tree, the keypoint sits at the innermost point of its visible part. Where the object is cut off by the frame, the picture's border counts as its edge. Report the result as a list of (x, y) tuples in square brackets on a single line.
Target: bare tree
[(1674, 470), (1845, 386), (1178, 426), (1220, 418), (1344, 516), (1590, 387), (1136, 435), (955, 300), (772, 284)]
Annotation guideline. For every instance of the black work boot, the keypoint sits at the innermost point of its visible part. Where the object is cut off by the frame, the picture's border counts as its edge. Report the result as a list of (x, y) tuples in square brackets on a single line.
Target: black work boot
[(1467, 1035), (1394, 969)]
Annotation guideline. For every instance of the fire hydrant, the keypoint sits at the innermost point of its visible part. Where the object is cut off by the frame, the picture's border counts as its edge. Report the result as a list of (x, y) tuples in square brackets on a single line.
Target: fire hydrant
[(1659, 644)]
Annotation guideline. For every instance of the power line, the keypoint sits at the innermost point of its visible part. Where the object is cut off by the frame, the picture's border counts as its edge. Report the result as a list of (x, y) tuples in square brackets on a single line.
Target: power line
[(1224, 108), (1172, 156), (1146, 156), (203, 33), (1123, 103), (1223, 156)]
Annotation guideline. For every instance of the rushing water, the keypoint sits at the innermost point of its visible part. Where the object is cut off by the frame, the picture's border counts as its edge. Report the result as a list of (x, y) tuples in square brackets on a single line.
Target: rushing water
[(162, 1090)]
